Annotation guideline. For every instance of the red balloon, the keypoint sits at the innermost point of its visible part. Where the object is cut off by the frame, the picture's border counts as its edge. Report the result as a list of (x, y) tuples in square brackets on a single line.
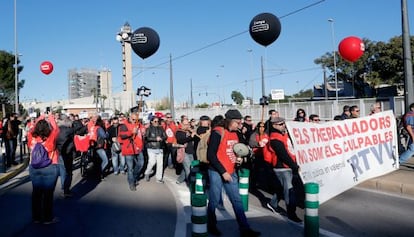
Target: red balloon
[(351, 48), (46, 67)]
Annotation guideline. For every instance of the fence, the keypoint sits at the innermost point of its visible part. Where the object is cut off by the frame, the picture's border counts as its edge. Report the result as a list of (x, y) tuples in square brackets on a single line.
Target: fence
[(326, 109)]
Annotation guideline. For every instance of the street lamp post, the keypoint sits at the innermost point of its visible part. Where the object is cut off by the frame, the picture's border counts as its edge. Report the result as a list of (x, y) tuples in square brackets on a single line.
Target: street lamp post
[(251, 72), (334, 57), (408, 71), (16, 73)]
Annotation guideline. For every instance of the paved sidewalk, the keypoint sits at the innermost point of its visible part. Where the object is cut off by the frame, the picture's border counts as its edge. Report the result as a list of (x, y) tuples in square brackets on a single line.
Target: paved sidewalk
[(14, 170), (400, 182)]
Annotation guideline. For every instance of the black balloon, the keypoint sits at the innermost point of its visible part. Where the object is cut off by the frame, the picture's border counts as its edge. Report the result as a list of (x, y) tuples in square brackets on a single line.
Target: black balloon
[(265, 28), (145, 42)]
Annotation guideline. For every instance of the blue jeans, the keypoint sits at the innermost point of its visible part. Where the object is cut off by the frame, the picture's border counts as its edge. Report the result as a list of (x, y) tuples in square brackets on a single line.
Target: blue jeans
[(188, 158), (232, 191), (406, 155), (62, 172), (102, 154), (134, 164), (11, 145), (43, 183), (285, 178), (118, 166)]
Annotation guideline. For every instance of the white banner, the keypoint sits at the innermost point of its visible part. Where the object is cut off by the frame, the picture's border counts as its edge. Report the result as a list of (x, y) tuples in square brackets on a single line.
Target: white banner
[(341, 154)]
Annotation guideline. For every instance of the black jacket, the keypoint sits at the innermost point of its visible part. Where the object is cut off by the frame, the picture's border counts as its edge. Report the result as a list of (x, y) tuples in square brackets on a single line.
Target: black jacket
[(64, 141), (151, 134), (183, 138)]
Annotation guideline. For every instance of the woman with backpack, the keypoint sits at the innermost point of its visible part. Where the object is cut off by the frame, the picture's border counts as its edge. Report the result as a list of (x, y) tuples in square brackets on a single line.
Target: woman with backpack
[(43, 138)]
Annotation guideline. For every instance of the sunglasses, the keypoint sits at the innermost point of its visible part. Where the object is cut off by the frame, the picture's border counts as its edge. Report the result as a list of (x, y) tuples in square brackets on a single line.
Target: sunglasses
[(168, 117), (280, 124)]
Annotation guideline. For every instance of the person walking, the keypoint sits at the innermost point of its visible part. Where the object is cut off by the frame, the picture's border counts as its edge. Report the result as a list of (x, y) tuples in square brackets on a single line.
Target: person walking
[(45, 131), (300, 116), (101, 138), (272, 114), (66, 148), (375, 108), (118, 160), (185, 137), (355, 112), (314, 118), (408, 123), (132, 146), (170, 151), (222, 173), (11, 131), (155, 138), (284, 163)]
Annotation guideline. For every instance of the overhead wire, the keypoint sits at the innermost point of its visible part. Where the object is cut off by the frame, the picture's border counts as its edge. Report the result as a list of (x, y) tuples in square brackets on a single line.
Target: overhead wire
[(231, 37)]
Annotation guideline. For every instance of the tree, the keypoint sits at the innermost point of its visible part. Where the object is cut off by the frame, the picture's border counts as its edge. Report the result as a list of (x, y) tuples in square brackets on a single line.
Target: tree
[(303, 94), (237, 97), (381, 63), (163, 104), (7, 82), (202, 106)]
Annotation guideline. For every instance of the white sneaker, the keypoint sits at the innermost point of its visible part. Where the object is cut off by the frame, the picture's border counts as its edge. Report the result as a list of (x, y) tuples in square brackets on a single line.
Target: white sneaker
[(271, 207)]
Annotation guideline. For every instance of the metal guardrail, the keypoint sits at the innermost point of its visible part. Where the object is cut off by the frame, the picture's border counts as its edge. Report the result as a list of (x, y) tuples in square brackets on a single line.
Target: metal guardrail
[(326, 109)]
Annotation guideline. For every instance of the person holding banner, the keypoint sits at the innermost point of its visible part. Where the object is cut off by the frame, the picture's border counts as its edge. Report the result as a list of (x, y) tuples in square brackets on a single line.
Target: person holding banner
[(346, 113), (408, 123), (355, 112), (300, 116), (285, 166)]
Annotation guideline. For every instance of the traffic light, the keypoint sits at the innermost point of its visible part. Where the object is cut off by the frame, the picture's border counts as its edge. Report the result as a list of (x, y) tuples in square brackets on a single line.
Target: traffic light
[(264, 100)]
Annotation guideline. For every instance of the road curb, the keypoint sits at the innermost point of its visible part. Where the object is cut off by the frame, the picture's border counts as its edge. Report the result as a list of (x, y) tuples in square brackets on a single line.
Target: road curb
[(389, 186), (11, 174)]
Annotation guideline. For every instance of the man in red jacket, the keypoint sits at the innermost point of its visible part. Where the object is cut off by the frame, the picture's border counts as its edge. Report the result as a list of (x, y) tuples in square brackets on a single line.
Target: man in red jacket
[(130, 137), (170, 129)]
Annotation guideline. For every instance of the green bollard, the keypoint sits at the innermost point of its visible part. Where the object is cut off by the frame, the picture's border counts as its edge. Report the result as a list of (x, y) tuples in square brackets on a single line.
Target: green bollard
[(311, 210), (194, 169), (244, 187), (199, 215), (199, 189)]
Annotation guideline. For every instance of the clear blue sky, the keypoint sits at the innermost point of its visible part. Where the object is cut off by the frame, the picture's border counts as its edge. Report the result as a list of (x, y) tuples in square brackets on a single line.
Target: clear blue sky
[(81, 34)]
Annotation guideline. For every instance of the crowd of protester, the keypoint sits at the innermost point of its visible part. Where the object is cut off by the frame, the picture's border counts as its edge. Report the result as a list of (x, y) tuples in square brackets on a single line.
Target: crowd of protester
[(126, 145)]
